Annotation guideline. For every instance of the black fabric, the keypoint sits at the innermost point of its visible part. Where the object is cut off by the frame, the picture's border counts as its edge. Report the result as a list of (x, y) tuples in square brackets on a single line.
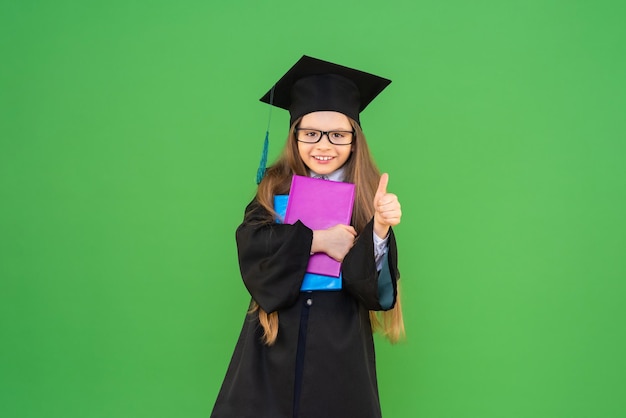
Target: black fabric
[(300, 355), (338, 371), (315, 85), (324, 92)]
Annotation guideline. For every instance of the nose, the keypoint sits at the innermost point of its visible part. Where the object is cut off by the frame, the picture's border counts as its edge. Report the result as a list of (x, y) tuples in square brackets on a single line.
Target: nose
[(324, 143)]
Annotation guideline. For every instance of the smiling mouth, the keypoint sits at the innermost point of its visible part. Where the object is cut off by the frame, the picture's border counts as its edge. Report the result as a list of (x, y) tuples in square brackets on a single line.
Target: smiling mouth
[(319, 158)]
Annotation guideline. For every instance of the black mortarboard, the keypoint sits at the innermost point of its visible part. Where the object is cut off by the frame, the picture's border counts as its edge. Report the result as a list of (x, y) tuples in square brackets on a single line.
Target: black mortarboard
[(313, 85)]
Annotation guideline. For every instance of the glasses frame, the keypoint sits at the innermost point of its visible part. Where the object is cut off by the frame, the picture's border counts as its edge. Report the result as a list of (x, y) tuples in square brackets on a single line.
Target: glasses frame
[(322, 133)]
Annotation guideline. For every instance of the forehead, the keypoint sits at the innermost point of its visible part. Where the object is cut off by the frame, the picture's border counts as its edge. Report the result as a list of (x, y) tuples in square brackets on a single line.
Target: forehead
[(326, 119)]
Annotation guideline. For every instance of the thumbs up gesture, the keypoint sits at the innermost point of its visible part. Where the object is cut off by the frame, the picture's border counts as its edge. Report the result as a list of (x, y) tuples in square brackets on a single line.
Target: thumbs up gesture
[(387, 210)]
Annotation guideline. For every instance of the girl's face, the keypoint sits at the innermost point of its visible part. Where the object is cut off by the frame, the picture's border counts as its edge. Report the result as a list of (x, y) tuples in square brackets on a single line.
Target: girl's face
[(324, 157)]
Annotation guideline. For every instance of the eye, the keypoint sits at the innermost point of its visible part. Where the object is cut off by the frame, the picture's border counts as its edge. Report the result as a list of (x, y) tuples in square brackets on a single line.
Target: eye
[(337, 135), (312, 134)]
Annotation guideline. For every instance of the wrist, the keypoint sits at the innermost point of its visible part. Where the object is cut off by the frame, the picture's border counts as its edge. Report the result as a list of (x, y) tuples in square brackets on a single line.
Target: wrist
[(316, 244), (381, 230)]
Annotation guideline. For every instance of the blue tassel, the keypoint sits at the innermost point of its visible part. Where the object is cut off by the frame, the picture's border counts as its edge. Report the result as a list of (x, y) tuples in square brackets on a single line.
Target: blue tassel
[(260, 173), (262, 165)]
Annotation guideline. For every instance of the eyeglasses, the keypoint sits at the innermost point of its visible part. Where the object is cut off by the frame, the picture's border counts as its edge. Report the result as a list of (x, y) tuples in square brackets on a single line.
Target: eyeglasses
[(312, 136)]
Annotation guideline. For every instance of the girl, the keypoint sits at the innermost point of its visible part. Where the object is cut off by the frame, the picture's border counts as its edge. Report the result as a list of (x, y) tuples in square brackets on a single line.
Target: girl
[(311, 354)]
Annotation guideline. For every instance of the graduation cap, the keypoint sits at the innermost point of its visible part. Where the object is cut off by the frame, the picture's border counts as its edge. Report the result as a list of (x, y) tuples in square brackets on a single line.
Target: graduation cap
[(313, 85)]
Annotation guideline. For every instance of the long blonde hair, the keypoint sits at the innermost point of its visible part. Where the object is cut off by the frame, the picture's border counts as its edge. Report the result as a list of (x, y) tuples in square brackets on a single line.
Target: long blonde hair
[(361, 170)]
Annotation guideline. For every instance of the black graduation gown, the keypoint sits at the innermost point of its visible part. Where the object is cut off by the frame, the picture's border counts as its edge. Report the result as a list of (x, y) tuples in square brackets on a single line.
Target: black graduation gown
[(338, 371)]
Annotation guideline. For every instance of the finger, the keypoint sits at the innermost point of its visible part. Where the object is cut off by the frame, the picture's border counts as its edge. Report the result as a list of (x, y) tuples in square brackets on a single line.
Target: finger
[(350, 229), (386, 205), (347, 228), (393, 221), (387, 212), (382, 185), (390, 217), (388, 200)]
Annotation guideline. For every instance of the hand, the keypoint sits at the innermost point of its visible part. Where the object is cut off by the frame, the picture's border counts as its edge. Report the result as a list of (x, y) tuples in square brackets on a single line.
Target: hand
[(335, 241), (387, 212)]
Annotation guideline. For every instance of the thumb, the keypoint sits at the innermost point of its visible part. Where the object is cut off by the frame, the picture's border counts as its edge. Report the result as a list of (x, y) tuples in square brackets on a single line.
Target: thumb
[(382, 186)]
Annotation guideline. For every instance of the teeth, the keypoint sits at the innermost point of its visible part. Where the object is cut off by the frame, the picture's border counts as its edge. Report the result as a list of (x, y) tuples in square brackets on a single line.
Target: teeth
[(323, 158)]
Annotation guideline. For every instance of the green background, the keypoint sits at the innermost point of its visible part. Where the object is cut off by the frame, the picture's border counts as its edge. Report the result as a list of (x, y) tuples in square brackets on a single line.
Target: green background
[(130, 133)]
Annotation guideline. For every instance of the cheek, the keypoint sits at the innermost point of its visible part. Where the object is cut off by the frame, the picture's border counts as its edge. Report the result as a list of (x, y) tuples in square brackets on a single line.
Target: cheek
[(349, 152), (303, 150)]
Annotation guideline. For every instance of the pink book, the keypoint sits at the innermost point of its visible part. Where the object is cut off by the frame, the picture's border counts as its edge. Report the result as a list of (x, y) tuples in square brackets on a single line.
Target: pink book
[(320, 204)]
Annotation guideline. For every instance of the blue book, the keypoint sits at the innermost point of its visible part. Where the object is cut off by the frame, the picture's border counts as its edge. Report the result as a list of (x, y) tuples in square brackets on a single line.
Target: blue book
[(311, 281)]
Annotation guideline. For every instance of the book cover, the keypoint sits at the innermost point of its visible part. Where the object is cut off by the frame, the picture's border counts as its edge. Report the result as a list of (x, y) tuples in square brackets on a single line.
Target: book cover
[(311, 281), (320, 204)]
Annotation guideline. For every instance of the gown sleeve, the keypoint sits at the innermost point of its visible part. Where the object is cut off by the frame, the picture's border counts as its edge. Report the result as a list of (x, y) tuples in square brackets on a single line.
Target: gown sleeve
[(272, 258), (376, 290)]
